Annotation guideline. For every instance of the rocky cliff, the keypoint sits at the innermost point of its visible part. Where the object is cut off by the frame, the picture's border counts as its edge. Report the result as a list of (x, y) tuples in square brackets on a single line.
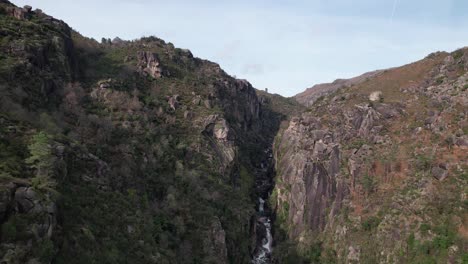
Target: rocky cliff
[(123, 151), (138, 152), (375, 172)]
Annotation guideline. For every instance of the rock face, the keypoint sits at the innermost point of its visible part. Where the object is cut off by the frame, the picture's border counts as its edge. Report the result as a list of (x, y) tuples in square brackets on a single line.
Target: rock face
[(28, 201), (20, 13), (174, 102), (309, 159), (439, 173), (375, 96), (148, 64), (34, 57), (246, 109), (340, 163), (217, 128), (215, 245)]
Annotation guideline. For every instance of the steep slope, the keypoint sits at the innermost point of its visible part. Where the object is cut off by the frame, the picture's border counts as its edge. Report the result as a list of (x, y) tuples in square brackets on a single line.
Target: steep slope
[(276, 112), (138, 152), (310, 95), (125, 151), (376, 172)]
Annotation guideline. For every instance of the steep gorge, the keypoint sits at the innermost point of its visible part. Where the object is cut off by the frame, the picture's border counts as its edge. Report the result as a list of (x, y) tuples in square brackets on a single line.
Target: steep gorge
[(125, 151), (138, 152)]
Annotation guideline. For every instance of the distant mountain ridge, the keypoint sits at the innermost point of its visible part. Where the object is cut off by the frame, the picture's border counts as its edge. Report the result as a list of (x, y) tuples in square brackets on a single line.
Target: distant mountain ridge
[(310, 95)]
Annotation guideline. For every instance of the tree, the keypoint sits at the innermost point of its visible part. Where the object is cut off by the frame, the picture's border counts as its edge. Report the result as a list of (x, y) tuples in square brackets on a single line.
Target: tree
[(368, 183), (42, 161)]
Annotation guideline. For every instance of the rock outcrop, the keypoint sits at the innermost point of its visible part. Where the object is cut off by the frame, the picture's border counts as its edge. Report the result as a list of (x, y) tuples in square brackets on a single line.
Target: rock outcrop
[(362, 171), (149, 64), (215, 244), (246, 109), (376, 96)]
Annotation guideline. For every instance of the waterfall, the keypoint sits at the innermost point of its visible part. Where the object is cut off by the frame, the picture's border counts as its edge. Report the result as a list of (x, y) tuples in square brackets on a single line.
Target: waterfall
[(261, 206), (263, 225)]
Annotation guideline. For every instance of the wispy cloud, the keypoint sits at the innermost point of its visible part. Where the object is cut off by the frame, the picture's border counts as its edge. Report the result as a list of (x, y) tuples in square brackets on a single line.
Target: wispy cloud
[(283, 45), (395, 3), (253, 68), (229, 50)]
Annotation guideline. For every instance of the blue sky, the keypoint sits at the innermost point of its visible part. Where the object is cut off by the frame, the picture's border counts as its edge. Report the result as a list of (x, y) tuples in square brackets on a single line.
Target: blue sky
[(282, 45)]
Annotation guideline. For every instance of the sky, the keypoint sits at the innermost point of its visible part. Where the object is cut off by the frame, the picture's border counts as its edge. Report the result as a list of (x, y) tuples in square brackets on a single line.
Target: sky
[(283, 45)]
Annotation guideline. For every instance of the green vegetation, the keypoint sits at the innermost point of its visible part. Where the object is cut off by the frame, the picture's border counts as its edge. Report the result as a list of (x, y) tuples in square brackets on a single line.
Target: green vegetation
[(42, 161), (370, 223), (423, 162), (314, 253), (357, 144), (12, 155), (458, 54), (368, 183), (434, 250), (246, 181), (141, 182), (9, 230)]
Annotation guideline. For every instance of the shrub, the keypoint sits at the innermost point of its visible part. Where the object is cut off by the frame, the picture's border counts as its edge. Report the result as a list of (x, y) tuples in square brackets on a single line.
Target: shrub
[(458, 54), (423, 162), (46, 251), (445, 236), (48, 124), (357, 144), (314, 252), (370, 223), (286, 207), (411, 241), (368, 183), (42, 160), (465, 258), (424, 227), (9, 230), (450, 140)]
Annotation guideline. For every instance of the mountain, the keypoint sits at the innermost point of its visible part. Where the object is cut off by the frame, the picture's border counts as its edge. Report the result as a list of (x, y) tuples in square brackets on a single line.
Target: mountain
[(375, 171), (125, 151), (310, 95), (139, 152)]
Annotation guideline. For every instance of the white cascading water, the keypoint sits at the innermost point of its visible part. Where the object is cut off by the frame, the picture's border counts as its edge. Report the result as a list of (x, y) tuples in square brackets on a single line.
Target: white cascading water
[(263, 253), (263, 225), (268, 240), (261, 206)]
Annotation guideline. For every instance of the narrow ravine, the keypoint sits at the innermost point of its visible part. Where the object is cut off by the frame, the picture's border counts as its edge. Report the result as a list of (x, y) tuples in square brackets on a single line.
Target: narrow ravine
[(263, 219)]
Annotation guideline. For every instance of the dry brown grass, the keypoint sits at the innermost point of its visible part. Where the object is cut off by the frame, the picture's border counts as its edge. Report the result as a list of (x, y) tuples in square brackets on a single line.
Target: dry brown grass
[(390, 81)]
